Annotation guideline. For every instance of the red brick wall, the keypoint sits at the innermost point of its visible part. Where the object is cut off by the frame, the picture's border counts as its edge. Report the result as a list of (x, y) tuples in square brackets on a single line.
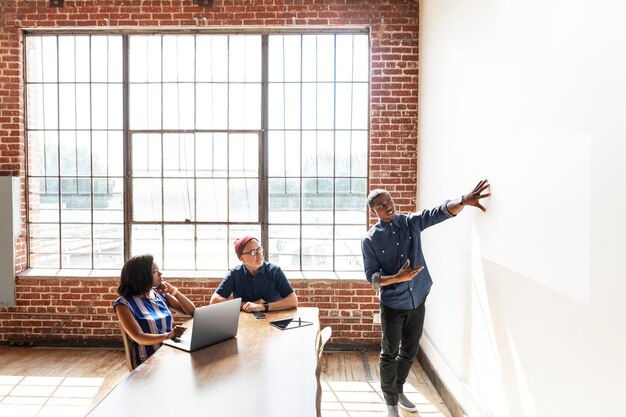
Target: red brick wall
[(71, 311), (63, 309)]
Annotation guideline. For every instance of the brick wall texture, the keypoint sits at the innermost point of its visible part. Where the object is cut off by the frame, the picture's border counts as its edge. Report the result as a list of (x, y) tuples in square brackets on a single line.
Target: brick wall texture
[(78, 311)]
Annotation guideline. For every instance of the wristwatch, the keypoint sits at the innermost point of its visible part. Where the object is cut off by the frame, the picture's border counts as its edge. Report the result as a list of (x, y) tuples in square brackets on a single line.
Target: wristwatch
[(266, 306)]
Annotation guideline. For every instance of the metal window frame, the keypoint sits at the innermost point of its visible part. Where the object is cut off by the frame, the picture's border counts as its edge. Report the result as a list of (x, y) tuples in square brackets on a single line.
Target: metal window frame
[(59, 176), (162, 131), (301, 225), (263, 176)]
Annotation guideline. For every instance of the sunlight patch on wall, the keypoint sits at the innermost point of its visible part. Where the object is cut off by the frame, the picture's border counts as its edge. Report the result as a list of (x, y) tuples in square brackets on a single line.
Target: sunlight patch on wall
[(485, 368), (540, 211), (526, 398)]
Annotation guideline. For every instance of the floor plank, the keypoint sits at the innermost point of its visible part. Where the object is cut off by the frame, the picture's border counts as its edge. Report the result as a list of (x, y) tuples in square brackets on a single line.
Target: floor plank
[(68, 382)]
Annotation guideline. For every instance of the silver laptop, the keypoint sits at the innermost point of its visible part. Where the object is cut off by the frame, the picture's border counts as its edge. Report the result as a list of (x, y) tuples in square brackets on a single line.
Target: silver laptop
[(211, 324)]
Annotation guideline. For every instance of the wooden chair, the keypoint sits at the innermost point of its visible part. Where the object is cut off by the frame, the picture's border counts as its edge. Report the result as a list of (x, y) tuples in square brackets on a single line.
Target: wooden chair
[(322, 338), (127, 349)]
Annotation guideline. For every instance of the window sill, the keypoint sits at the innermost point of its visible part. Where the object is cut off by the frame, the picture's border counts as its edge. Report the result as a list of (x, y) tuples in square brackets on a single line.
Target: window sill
[(325, 275), (41, 273), (68, 273)]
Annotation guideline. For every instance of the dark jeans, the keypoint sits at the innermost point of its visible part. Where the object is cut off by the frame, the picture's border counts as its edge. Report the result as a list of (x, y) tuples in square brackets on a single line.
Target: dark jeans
[(402, 330)]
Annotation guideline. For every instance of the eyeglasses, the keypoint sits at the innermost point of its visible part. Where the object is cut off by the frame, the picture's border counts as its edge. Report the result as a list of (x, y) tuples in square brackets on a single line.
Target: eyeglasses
[(253, 252)]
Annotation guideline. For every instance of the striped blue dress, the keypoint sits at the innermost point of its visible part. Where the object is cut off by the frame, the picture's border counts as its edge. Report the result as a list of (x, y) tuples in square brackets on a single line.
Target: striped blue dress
[(153, 316)]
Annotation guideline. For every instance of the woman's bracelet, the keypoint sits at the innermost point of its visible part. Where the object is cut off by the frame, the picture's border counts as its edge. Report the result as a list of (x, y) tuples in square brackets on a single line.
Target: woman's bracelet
[(173, 293)]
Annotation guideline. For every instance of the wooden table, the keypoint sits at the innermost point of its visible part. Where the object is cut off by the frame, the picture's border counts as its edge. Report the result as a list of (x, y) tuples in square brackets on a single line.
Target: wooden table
[(262, 372)]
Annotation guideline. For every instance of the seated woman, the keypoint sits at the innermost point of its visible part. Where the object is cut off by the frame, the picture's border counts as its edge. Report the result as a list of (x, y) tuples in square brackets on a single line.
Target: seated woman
[(261, 285), (143, 307)]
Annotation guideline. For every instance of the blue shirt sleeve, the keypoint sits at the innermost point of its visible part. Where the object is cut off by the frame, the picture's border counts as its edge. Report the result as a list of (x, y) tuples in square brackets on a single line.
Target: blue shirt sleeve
[(226, 287), (431, 217), (280, 281), (370, 262)]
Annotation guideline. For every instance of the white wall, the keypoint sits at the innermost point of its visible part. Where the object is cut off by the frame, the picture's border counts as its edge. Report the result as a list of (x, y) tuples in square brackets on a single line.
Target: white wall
[(527, 316)]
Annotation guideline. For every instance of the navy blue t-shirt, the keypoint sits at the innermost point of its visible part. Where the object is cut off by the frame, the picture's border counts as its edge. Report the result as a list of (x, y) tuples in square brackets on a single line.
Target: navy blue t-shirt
[(269, 283)]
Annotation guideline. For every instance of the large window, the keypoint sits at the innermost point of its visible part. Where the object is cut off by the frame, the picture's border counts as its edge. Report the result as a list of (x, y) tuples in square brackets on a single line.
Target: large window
[(177, 144), (75, 143)]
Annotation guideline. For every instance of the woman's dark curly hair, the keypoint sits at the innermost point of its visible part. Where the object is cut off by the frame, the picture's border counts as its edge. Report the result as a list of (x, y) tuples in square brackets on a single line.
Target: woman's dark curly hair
[(136, 278)]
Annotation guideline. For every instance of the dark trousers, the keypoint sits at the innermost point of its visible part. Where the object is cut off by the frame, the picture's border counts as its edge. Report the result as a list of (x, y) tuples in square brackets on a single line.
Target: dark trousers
[(402, 330)]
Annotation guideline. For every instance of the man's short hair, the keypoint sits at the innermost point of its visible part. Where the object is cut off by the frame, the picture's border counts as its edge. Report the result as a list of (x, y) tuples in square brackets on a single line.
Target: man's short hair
[(373, 194)]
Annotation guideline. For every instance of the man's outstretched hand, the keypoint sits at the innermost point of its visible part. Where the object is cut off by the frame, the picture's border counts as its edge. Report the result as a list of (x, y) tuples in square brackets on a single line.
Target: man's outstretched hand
[(473, 197)]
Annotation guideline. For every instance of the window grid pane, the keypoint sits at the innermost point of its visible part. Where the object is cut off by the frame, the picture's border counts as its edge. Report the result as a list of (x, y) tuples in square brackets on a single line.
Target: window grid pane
[(193, 182), (195, 148), (75, 151), (317, 178), (195, 144)]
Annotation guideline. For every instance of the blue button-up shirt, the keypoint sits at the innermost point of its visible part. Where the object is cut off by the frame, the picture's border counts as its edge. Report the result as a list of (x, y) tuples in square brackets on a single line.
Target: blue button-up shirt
[(388, 245), (269, 283)]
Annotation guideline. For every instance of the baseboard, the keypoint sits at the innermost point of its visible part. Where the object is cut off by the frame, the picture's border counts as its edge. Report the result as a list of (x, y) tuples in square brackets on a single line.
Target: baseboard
[(446, 396), (64, 343), (341, 347)]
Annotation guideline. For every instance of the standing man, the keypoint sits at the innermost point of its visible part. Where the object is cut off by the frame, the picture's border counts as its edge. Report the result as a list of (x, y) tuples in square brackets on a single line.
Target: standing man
[(393, 258)]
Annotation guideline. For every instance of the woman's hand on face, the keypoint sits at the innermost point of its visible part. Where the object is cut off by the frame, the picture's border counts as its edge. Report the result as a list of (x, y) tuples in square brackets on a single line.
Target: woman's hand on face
[(165, 288)]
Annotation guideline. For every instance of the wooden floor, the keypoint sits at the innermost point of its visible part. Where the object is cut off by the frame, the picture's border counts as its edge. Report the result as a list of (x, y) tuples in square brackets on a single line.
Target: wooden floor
[(351, 388), (68, 382)]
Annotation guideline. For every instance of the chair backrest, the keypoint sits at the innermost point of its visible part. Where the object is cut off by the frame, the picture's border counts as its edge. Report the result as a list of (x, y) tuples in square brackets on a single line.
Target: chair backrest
[(323, 337), (127, 344)]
